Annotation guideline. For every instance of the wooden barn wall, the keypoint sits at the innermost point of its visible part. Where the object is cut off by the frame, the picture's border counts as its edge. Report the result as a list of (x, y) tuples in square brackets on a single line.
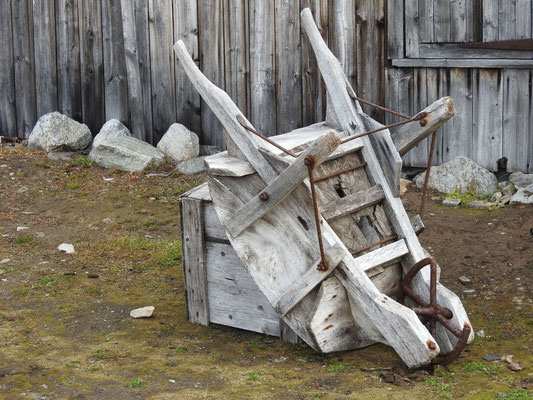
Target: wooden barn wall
[(100, 59), (494, 109)]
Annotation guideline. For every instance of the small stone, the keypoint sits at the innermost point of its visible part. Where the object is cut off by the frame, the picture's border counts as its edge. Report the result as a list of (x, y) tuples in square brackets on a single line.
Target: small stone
[(5, 260), (40, 234), (480, 333), (172, 381), (404, 186), (45, 386), (148, 236), (524, 195), (435, 198), (480, 204), (22, 228), (4, 280), (491, 357), (66, 247), (193, 166), (469, 291), (448, 201), (144, 312), (179, 143), (107, 221), (496, 197), (464, 280)]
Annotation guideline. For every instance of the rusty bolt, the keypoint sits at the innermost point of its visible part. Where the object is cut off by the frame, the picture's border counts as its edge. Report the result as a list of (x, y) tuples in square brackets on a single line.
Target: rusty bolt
[(263, 196), (431, 345)]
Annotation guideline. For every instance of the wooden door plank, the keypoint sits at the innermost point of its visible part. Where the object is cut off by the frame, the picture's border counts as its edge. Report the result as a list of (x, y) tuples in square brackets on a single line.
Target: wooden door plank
[(490, 20), (24, 67), (194, 264), (188, 104), (307, 282), (8, 116), (412, 133), (162, 64), (45, 56), (416, 22), (383, 256), (283, 184), (133, 72), (68, 58), (92, 64), (395, 27), (458, 20), (227, 113), (352, 203), (524, 9)]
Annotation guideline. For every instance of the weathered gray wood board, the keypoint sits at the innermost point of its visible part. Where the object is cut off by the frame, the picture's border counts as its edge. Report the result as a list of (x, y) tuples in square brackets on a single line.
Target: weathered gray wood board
[(8, 120)]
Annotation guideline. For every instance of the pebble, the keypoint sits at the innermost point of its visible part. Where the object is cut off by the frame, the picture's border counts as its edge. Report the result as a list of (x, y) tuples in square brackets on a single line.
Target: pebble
[(4, 280), (22, 228), (148, 236), (144, 312), (5, 260), (66, 247), (448, 201), (491, 357), (464, 280), (172, 381), (40, 234), (3, 166), (481, 333), (469, 291)]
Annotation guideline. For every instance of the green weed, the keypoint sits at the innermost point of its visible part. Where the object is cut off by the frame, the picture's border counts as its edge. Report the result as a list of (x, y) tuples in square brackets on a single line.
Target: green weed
[(474, 366), (100, 354), (83, 161), (46, 279), (181, 349), (439, 387), (336, 367), (73, 185), (516, 394), (24, 239), (253, 376), (135, 383)]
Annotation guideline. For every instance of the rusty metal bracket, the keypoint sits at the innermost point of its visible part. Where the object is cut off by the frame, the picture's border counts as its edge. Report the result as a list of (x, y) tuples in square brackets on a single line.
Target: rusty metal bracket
[(431, 313)]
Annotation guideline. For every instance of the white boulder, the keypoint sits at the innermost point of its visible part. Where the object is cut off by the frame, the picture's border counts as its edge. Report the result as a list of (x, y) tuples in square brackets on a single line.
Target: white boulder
[(179, 143), (144, 312), (57, 132), (111, 129)]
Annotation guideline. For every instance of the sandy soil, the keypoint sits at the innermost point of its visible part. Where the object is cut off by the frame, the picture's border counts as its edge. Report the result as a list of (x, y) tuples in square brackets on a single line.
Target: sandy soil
[(65, 332)]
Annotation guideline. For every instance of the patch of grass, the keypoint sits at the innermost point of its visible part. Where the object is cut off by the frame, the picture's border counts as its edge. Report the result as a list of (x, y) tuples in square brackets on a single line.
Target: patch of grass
[(24, 239), (2, 316), (73, 185), (467, 197), (181, 349), (516, 394), (135, 383), (253, 376), (46, 279), (149, 222), (336, 367), (83, 161), (439, 387), (100, 354), (474, 366), (319, 395)]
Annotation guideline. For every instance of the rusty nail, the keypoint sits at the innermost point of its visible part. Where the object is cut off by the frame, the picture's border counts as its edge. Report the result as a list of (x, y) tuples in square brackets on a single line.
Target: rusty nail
[(263, 196), (431, 345)]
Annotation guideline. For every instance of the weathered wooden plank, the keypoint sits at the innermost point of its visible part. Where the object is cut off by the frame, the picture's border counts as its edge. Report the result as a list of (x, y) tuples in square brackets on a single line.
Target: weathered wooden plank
[(283, 184), (213, 227), (490, 20), (8, 116), (287, 66), (135, 92), (211, 52), (307, 282), (530, 152), (457, 133), (371, 53), (227, 112), (524, 9), (314, 99), (334, 331), (487, 112), (187, 99), (442, 21), (426, 21), (395, 28), (435, 83), (352, 203), (506, 19), (262, 66), (68, 58), (342, 16), (416, 99), (412, 133), (458, 20), (91, 64), (460, 63), (24, 66), (162, 64), (516, 116), (194, 265), (143, 55), (417, 224), (45, 56), (416, 24), (236, 30), (452, 50), (383, 256)]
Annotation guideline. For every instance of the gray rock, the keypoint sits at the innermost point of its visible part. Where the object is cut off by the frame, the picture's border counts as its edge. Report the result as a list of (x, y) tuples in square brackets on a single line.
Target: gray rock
[(464, 280), (193, 166), (521, 180), (179, 143), (496, 197), (57, 132), (144, 312), (481, 333), (460, 174), (524, 195), (448, 201), (506, 188), (207, 150), (111, 129), (469, 291), (492, 357), (61, 156), (66, 247), (125, 153), (481, 205), (5, 260)]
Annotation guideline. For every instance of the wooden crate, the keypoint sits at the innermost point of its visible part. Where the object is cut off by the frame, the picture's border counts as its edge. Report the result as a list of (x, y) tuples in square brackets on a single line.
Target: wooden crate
[(218, 288)]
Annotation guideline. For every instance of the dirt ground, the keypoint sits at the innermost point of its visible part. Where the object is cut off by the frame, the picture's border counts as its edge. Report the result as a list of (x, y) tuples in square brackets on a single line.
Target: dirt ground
[(65, 330)]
